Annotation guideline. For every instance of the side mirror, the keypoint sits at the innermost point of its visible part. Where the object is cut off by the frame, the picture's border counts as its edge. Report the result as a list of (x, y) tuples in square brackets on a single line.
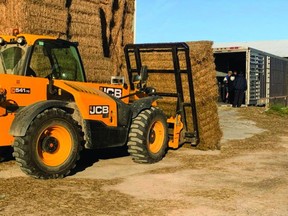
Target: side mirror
[(140, 80), (144, 74)]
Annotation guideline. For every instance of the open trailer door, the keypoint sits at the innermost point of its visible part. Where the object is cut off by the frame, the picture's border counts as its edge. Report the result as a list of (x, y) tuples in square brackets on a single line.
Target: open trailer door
[(253, 63), (256, 76)]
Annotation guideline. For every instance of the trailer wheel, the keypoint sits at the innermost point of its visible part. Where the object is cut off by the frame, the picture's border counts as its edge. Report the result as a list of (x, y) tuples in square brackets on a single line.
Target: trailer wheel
[(148, 136), (51, 146)]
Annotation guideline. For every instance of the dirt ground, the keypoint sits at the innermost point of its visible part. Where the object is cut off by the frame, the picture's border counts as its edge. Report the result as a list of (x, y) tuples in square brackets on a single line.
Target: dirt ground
[(247, 177)]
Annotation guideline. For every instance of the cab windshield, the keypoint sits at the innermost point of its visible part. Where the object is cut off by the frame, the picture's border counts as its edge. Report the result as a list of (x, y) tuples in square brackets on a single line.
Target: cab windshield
[(12, 58), (56, 59)]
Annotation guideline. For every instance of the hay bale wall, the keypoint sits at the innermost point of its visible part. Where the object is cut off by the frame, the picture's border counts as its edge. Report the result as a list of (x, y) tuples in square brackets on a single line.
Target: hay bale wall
[(102, 28), (205, 89)]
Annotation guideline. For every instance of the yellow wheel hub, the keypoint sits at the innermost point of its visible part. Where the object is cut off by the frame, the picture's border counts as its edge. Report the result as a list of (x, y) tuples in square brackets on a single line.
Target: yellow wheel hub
[(54, 145), (156, 137)]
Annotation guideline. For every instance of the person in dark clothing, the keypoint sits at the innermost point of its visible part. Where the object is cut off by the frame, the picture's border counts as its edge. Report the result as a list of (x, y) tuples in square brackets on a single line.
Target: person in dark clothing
[(240, 86), (226, 82), (231, 87)]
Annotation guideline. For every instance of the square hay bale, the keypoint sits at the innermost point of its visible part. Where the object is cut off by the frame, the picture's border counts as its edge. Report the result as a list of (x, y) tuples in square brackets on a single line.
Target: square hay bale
[(85, 6), (85, 24), (5, 29), (3, 9), (49, 3), (100, 70), (37, 16), (206, 94), (128, 31)]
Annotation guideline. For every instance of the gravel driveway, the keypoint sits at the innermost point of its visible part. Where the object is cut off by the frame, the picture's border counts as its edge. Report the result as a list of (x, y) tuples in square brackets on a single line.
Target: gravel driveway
[(247, 177)]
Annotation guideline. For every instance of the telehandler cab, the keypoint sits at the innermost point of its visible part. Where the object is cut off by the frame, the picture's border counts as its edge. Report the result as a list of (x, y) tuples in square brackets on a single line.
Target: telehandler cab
[(52, 112)]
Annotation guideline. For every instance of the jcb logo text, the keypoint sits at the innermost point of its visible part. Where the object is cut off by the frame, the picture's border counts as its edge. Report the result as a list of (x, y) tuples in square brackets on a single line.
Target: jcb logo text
[(98, 110), (116, 92)]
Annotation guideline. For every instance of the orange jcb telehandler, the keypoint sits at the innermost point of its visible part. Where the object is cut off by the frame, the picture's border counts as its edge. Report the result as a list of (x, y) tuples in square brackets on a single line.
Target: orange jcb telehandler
[(51, 112), (28, 66)]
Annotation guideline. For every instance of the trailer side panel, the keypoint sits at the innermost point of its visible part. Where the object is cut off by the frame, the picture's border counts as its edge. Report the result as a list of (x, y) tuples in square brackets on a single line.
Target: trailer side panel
[(278, 78)]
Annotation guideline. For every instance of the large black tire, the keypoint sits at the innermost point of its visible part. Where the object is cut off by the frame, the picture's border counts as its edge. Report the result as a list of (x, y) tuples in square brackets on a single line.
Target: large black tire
[(148, 136), (51, 146)]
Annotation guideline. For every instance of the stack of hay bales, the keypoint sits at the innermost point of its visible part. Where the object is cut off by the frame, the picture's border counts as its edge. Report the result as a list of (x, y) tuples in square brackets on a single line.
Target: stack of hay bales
[(205, 89), (102, 28)]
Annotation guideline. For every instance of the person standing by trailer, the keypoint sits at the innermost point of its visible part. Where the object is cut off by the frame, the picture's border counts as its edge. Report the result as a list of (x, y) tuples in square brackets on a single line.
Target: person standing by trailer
[(231, 86), (226, 82), (240, 86)]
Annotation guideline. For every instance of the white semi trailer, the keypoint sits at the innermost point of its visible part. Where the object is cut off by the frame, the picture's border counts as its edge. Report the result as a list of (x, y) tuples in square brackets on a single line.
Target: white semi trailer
[(266, 74)]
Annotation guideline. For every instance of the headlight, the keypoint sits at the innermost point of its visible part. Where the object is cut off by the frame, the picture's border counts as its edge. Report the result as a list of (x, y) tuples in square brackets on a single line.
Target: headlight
[(2, 41), (21, 41)]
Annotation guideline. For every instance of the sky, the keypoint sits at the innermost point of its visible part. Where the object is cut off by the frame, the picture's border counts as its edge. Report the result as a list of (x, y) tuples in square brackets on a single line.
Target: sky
[(214, 20)]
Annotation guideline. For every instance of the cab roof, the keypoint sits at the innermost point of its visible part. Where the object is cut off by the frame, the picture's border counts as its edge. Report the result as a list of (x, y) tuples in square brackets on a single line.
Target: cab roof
[(29, 38)]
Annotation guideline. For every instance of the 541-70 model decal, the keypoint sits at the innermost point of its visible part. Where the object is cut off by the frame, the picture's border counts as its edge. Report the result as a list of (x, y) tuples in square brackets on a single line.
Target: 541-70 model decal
[(18, 90)]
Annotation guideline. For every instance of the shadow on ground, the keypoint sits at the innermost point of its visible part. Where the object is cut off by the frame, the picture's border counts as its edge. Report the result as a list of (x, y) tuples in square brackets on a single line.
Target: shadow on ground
[(89, 157), (6, 153)]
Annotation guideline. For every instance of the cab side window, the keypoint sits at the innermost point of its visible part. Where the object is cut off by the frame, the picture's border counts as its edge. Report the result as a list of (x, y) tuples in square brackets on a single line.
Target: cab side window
[(40, 65)]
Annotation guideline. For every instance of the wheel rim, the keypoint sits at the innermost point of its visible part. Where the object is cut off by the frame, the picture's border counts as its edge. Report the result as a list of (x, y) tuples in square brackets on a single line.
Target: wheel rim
[(54, 145), (156, 137)]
